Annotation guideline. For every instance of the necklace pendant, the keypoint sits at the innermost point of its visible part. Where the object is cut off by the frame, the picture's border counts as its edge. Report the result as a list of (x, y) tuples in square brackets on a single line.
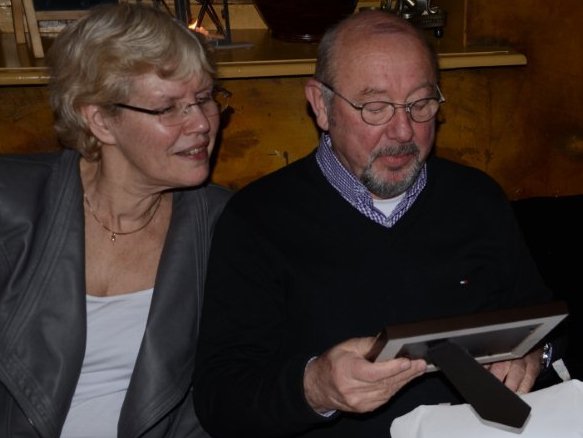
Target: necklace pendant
[(152, 212)]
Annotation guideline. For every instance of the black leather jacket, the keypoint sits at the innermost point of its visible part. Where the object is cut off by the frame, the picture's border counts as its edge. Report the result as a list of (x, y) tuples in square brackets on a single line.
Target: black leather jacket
[(42, 304)]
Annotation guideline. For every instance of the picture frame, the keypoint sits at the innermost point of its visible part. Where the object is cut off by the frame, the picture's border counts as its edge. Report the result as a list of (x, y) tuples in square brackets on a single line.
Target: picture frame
[(491, 336)]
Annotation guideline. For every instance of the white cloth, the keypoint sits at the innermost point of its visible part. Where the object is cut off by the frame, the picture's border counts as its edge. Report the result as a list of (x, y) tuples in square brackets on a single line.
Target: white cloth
[(115, 328), (386, 206), (557, 412)]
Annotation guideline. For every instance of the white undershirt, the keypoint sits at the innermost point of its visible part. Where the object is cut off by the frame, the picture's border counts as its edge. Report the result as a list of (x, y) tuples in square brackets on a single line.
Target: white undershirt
[(115, 327), (386, 206)]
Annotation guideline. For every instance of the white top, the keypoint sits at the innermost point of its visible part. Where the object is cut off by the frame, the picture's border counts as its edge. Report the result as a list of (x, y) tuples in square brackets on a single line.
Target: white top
[(386, 206), (115, 327)]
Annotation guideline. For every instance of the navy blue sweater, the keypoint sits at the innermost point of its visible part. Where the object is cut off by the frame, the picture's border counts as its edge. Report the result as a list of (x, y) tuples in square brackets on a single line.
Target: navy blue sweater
[(295, 269)]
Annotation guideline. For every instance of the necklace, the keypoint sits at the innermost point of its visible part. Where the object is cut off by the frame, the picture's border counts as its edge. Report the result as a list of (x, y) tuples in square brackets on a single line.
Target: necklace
[(114, 234)]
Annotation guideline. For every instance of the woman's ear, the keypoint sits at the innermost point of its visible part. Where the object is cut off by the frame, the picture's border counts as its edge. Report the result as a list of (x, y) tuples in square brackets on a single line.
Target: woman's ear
[(313, 91), (98, 124)]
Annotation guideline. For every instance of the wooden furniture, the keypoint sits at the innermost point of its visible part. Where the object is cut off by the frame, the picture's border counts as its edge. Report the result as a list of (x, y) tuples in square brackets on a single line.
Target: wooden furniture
[(24, 11), (261, 56), (518, 121)]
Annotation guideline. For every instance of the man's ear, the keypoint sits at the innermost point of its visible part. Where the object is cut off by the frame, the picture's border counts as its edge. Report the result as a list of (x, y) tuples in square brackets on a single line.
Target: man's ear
[(314, 95), (98, 124)]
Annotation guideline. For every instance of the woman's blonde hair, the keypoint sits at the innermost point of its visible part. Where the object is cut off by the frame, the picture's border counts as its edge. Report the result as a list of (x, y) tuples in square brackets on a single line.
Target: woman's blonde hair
[(95, 59)]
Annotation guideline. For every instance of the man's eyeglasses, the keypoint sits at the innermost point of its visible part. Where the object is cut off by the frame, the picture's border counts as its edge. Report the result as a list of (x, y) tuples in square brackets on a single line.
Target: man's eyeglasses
[(379, 112), (211, 105)]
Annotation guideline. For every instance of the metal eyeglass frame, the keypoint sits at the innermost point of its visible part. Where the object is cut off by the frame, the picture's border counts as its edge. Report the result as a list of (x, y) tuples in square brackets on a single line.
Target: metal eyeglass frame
[(185, 110), (407, 106)]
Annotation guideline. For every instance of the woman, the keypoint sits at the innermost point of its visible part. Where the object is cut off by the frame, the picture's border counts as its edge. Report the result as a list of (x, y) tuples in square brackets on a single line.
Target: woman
[(103, 247)]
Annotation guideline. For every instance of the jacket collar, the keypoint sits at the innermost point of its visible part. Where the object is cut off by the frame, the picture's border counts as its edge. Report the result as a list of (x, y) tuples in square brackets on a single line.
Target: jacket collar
[(157, 384)]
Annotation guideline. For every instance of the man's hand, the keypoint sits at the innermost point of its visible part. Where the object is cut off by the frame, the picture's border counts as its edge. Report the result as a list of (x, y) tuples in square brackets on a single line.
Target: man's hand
[(343, 379), (519, 375)]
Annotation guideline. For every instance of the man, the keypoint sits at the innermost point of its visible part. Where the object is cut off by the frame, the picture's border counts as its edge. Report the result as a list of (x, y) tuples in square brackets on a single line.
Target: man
[(309, 263)]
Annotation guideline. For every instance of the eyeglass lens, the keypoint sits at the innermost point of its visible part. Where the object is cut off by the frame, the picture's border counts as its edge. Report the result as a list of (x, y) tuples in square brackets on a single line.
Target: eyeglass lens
[(378, 113), (210, 106)]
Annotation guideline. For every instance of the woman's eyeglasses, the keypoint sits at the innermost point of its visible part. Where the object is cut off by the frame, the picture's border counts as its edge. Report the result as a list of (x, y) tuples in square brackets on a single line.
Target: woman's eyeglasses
[(213, 104)]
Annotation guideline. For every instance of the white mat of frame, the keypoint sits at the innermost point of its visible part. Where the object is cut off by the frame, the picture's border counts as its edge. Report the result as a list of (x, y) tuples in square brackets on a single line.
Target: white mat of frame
[(557, 412)]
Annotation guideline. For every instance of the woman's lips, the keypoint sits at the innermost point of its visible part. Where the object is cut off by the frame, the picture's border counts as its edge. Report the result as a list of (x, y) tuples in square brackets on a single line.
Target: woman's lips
[(198, 153)]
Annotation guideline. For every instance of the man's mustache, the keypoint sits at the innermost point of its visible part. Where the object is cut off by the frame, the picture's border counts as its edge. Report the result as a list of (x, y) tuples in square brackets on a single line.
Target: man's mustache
[(396, 150)]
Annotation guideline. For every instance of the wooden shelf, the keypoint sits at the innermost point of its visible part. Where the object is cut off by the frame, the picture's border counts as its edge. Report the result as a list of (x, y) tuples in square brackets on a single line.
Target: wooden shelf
[(262, 56), (252, 54)]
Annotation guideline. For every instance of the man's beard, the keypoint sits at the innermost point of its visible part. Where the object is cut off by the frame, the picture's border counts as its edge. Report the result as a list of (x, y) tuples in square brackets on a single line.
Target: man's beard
[(390, 189)]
